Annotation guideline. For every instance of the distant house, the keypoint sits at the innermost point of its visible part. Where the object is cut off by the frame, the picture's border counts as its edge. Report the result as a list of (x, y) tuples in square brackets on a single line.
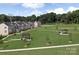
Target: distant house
[(37, 24), (17, 26), (12, 27), (4, 29)]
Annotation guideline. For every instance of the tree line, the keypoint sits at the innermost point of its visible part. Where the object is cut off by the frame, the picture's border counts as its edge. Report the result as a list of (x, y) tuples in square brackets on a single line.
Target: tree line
[(67, 18)]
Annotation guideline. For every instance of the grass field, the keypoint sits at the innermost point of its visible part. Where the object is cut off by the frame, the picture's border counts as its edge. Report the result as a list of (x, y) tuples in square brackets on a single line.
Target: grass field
[(39, 39)]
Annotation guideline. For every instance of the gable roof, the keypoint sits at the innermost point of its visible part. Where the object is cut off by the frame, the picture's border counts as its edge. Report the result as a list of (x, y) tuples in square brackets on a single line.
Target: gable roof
[(3, 24)]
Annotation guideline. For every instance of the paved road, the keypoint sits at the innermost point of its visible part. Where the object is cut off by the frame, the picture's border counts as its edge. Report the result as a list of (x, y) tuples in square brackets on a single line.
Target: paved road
[(39, 48)]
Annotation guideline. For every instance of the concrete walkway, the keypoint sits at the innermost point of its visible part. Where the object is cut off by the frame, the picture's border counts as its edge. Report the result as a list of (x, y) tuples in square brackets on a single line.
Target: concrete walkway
[(9, 35), (11, 40), (13, 34), (37, 48)]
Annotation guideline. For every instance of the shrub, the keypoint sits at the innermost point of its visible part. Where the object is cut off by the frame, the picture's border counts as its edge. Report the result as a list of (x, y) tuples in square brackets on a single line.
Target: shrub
[(1, 37), (1, 41)]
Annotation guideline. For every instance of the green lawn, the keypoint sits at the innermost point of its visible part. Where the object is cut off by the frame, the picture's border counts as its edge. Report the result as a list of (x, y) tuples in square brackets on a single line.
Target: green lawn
[(15, 36), (13, 45), (39, 37)]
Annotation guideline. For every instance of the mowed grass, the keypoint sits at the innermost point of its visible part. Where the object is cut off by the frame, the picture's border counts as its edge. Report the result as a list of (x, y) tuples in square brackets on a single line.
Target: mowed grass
[(50, 51), (14, 36), (41, 34), (13, 45)]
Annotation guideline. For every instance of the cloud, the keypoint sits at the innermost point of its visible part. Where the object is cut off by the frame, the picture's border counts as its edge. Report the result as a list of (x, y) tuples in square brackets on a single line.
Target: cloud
[(72, 9), (57, 11), (36, 12), (33, 5), (33, 12), (34, 8), (61, 10)]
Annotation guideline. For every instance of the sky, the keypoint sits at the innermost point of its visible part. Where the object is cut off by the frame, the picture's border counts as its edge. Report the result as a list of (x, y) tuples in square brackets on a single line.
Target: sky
[(28, 9)]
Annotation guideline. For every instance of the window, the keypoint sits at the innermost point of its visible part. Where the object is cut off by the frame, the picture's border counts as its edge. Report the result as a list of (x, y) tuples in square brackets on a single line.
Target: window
[(5, 27), (5, 31)]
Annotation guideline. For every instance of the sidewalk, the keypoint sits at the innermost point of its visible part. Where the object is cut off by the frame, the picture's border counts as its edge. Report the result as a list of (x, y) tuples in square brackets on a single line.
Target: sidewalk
[(59, 46)]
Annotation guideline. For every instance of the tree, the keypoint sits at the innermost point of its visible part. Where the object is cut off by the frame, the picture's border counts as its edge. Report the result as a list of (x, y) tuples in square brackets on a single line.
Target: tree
[(3, 18), (66, 18), (33, 18), (47, 18), (75, 16), (63, 18), (58, 18)]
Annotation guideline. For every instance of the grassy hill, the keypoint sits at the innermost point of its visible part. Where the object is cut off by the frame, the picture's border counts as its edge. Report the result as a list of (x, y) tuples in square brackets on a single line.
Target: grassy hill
[(44, 35)]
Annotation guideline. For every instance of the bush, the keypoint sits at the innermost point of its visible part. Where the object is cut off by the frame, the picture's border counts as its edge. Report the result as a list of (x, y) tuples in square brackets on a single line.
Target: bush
[(1, 37), (25, 35), (1, 41)]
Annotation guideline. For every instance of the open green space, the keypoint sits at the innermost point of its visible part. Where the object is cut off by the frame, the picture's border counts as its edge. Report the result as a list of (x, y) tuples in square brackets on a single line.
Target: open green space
[(44, 35)]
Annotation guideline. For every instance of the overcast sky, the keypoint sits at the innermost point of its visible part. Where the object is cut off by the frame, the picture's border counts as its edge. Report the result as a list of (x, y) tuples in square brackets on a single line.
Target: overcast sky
[(27, 9)]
